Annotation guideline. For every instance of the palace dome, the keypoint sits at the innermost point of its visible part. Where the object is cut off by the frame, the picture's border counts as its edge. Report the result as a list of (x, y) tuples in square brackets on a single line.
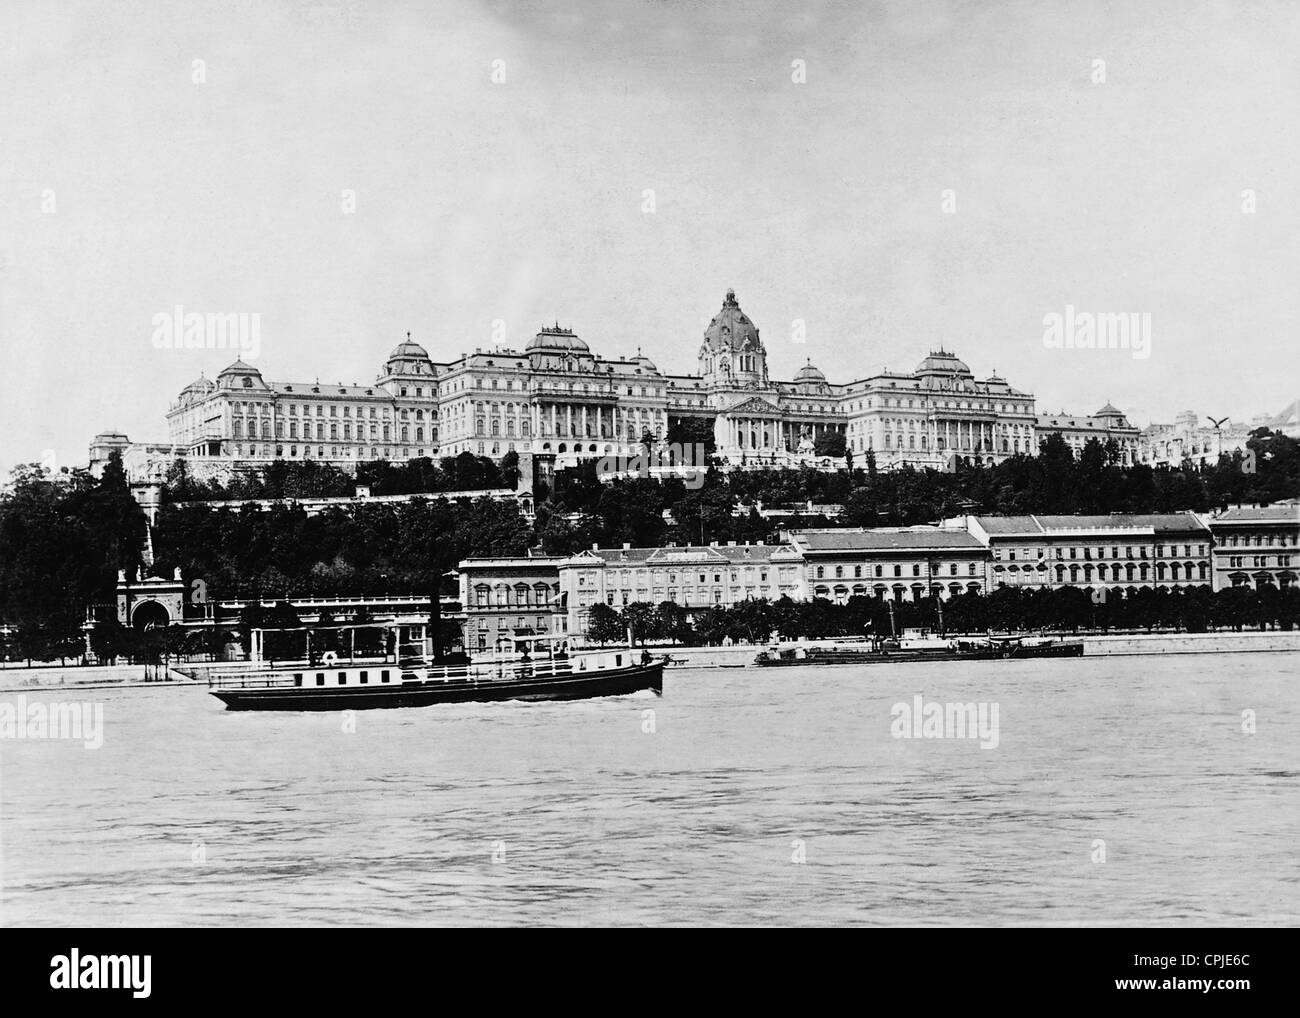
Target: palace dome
[(731, 329), (942, 360), (556, 339), (1109, 410), (408, 349), (809, 373), (645, 362), (239, 370)]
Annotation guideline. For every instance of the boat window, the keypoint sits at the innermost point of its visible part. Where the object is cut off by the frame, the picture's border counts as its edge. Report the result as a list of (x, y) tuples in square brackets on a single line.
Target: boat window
[(383, 676), (297, 678), (320, 678), (365, 677), (343, 677), (618, 660)]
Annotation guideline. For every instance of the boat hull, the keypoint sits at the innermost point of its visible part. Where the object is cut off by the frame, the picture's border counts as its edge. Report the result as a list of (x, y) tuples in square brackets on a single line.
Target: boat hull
[(572, 686), (858, 657)]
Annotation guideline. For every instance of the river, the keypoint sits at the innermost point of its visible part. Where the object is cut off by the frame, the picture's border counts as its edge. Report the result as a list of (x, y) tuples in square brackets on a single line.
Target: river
[(1120, 791)]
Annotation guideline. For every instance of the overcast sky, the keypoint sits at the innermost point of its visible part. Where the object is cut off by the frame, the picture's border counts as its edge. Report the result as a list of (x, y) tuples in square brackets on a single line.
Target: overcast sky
[(126, 188)]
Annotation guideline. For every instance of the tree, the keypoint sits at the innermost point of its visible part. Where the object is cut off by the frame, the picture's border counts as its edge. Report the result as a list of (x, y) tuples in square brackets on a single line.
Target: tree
[(604, 625), (642, 619), (672, 622), (830, 443), (509, 470)]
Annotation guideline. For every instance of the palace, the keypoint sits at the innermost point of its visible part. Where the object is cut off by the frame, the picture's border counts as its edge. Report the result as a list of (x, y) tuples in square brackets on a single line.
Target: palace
[(561, 402)]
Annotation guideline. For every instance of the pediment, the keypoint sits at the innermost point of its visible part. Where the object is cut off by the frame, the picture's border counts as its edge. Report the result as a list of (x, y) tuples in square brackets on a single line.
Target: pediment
[(755, 406)]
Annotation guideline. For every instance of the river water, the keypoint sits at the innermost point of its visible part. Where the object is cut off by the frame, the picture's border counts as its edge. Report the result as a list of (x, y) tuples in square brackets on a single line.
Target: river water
[(1120, 791)]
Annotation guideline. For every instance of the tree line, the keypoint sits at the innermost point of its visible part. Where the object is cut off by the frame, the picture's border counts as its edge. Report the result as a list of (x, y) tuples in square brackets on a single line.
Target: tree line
[(1005, 610), (290, 479), (578, 510)]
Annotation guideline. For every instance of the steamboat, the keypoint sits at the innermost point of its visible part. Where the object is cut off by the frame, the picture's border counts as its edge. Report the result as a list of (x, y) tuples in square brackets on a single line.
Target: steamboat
[(538, 668)]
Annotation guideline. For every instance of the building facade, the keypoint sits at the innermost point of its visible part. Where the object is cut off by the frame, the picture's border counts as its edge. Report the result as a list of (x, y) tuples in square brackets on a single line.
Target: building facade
[(510, 598), (696, 577), (557, 398), (1094, 552), (899, 564), (1256, 546), (1191, 438), (1107, 425)]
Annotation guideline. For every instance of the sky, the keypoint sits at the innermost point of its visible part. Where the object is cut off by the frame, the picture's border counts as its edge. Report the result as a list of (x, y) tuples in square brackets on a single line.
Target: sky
[(892, 177)]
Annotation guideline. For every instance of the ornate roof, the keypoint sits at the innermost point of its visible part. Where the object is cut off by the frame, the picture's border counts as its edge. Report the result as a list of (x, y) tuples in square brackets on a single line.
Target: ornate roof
[(201, 384), (554, 338), (239, 368), (731, 328), (408, 349), (942, 361), (809, 373)]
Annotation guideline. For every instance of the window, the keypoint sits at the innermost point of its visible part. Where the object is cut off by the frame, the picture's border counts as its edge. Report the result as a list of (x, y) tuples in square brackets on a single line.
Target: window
[(297, 678), (365, 677), (320, 678), (383, 676)]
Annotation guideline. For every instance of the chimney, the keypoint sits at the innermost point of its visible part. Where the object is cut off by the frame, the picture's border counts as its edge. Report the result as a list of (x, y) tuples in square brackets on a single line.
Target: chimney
[(626, 545), (595, 546)]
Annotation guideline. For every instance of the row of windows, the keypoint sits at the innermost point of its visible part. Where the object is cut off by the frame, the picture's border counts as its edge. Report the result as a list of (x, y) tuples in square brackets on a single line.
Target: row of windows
[(1258, 561), (376, 432), (972, 569), (926, 404), (347, 452), (1114, 573), (293, 410), (1098, 552), (520, 594), (1260, 540), (364, 678)]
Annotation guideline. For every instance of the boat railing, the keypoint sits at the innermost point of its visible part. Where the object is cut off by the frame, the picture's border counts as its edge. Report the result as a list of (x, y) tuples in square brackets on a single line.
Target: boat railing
[(485, 672)]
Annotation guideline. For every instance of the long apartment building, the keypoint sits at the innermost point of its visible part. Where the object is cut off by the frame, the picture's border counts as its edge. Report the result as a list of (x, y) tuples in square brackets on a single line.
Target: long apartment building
[(1119, 550), (1241, 547)]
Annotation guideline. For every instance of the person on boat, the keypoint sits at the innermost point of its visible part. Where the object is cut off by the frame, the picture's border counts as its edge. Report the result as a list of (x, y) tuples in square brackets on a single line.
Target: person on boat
[(645, 656)]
